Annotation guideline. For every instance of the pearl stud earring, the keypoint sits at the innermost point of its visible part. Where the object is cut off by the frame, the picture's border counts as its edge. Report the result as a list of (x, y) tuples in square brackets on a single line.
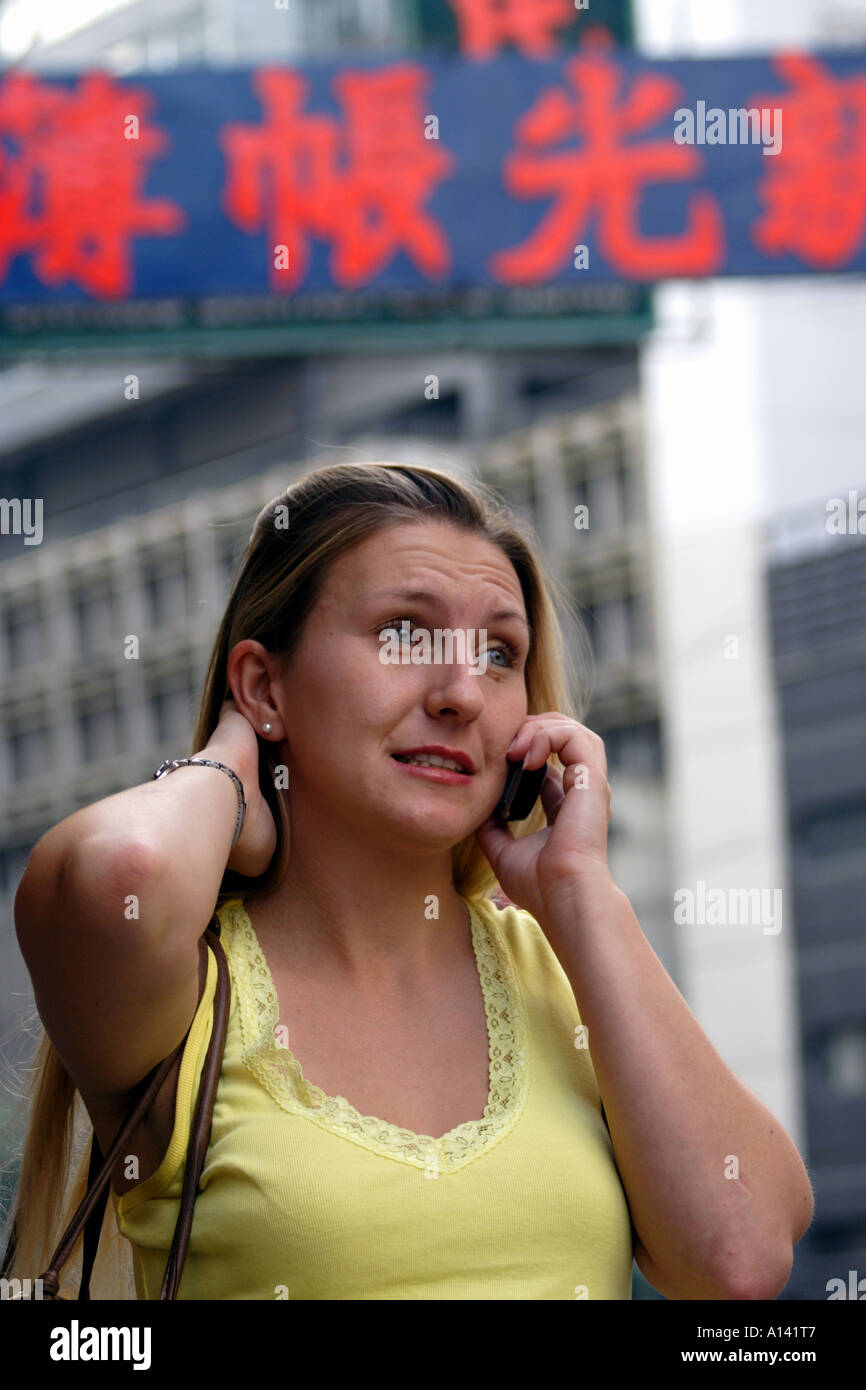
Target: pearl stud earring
[(266, 728)]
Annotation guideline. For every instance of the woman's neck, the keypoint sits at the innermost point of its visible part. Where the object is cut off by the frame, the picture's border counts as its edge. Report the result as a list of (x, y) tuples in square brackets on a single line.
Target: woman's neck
[(358, 928)]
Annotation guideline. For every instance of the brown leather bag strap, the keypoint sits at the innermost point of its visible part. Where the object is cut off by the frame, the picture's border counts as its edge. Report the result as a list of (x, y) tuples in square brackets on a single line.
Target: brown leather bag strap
[(91, 1209), (200, 1137), (93, 1226)]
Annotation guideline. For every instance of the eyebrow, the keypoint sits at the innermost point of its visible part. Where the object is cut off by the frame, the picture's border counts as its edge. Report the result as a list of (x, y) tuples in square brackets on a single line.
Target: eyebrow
[(425, 596)]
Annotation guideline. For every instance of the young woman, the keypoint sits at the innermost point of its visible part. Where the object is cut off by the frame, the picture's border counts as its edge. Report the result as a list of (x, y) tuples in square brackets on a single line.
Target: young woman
[(423, 1095)]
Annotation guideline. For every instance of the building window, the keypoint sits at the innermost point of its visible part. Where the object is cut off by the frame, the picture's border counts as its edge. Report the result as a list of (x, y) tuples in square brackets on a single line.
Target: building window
[(610, 495), (641, 627), (22, 636), (612, 631), (13, 862), (606, 503), (93, 616), (645, 751), (166, 588), (99, 728), (578, 498), (363, 25), (845, 1061), (163, 50), (634, 749), (834, 830), (190, 40), (29, 753), (633, 497), (125, 57), (230, 541), (173, 714)]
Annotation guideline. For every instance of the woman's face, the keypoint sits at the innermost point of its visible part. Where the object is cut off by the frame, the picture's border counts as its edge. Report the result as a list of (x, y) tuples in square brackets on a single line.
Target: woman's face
[(346, 711)]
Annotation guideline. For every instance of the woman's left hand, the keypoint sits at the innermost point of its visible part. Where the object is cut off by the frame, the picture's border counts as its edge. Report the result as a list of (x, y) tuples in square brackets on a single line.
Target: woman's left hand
[(537, 870)]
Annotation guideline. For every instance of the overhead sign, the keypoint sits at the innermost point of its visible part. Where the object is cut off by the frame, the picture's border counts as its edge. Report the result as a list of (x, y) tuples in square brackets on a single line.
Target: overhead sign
[(448, 174)]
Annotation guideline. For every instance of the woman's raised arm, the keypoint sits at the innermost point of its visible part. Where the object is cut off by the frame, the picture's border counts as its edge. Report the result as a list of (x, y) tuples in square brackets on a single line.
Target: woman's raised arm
[(114, 899)]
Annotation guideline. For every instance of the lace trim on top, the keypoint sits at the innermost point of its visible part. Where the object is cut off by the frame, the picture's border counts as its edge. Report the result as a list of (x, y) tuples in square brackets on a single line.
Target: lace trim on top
[(280, 1073)]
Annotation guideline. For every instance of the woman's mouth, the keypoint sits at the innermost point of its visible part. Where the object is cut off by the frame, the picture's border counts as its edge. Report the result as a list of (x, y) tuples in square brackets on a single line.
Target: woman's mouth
[(432, 767)]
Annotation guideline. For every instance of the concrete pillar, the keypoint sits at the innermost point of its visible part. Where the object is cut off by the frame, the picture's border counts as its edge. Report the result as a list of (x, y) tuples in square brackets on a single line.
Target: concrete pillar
[(723, 761)]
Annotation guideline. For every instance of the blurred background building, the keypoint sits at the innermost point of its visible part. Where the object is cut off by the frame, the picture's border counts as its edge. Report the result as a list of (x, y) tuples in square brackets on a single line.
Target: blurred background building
[(728, 624)]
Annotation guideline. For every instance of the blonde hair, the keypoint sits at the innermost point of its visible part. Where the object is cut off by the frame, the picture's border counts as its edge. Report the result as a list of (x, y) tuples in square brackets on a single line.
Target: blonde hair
[(278, 580)]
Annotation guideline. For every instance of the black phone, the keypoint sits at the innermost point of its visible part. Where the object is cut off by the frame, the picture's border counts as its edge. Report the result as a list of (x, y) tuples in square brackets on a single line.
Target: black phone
[(521, 791)]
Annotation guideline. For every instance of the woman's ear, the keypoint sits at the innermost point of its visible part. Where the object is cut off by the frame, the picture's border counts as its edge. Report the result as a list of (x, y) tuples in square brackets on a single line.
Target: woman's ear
[(251, 672)]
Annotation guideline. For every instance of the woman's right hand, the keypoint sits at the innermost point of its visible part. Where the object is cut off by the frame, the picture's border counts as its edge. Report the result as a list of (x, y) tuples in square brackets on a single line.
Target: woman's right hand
[(235, 743)]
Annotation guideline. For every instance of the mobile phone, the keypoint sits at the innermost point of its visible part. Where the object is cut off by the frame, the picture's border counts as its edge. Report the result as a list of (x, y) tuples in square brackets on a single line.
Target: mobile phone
[(521, 791)]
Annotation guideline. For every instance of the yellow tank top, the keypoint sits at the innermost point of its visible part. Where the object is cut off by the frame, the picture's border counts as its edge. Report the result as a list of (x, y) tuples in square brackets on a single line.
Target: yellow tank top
[(302, 1197)]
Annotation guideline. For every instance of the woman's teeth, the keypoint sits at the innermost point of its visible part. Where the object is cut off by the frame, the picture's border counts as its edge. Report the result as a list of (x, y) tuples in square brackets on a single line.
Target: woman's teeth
[(429, 760)]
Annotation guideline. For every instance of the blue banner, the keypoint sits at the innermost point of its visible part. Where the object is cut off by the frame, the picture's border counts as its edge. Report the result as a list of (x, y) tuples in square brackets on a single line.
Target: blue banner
[(442, 173)]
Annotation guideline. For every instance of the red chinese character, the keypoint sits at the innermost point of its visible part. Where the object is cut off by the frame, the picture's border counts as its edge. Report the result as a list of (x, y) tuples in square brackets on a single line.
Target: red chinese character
[(814, 189), (485, 25), (360, 185), (605, 176), (72, 162)]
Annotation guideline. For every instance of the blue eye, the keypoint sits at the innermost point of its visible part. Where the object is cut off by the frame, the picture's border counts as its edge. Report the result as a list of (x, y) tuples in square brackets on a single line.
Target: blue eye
[(507, 651), (395, 625)]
